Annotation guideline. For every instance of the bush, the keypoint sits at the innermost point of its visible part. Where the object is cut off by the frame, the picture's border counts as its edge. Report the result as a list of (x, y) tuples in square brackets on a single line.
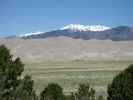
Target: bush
[(84, 92), (121, 87), (101, 97), (52, 92)]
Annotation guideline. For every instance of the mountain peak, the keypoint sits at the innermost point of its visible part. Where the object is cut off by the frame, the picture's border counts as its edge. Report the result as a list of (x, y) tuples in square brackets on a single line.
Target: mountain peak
[(79, 27)]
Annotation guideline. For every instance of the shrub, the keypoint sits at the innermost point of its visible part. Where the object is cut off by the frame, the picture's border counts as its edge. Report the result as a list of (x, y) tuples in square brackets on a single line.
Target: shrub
[(84, 92), (101, 97), (52, 92)]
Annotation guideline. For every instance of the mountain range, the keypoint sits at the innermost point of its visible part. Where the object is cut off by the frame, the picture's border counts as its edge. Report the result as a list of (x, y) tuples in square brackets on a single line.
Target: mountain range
[(78, 31)]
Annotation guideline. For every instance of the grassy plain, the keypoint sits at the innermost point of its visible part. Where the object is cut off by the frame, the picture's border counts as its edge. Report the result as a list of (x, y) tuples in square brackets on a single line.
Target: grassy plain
[(70, 74)]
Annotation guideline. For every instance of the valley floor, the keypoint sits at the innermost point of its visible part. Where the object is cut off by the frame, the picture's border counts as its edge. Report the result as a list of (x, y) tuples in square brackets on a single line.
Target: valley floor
[(69, 74)]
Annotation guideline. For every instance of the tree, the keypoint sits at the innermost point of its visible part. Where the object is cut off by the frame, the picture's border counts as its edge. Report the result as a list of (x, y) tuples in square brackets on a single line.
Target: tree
[(10, 70), (101, 97), (72, 96), (25, 89), (84, 92), (121, 87), (10, 76), (52, 92)]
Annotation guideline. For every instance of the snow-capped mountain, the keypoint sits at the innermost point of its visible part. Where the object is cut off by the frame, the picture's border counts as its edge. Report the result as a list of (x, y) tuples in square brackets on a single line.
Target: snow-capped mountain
[(87, 32), (78, 27), (74, 28)]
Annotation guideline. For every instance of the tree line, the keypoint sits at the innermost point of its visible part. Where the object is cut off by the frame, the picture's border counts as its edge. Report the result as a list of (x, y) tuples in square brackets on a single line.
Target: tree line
[(14, 86)]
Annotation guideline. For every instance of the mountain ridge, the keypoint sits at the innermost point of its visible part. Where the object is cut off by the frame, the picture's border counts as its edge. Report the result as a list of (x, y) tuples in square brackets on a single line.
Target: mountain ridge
[(77, 31), (116, 34)]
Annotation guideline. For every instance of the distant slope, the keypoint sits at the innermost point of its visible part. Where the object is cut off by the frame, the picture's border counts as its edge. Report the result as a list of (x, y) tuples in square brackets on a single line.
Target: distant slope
[(68, 49), (120, 33)]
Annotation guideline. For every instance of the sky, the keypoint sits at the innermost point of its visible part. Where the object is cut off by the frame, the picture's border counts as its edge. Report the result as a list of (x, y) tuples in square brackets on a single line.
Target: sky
[(24, 16)]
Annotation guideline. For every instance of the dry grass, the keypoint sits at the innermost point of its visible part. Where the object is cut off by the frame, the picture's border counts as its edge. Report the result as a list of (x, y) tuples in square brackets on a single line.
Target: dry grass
[(70, 74)]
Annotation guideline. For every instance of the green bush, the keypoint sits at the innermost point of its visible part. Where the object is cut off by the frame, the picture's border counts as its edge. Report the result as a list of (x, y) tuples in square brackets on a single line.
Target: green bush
[(84, 92), (52, 92), (101, 97)]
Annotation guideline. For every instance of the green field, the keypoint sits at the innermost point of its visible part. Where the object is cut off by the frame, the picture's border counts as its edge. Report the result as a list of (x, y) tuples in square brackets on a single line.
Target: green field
[(70, 74)]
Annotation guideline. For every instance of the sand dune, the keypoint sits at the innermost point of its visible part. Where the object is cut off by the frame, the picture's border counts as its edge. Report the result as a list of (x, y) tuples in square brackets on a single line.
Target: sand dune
[(68, 49)]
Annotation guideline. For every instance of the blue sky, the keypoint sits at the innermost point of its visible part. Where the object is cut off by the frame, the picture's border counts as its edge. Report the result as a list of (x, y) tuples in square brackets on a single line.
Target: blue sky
[(23, 16)]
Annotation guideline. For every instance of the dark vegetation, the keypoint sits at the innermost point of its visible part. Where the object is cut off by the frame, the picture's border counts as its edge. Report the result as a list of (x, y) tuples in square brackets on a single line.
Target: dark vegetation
[(122, 86), (15, 87), (12, 85)]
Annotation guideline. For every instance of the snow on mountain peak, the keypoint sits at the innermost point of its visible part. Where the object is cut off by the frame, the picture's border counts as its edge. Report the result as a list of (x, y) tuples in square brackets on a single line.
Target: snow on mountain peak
[(29, 34), (73, 27), (78, 27)]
